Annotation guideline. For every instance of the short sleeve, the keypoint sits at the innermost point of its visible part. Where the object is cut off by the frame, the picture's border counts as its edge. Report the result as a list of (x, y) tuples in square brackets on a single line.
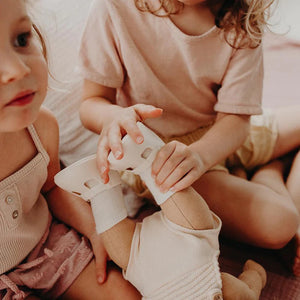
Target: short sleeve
[(99, 59), (241, 89)]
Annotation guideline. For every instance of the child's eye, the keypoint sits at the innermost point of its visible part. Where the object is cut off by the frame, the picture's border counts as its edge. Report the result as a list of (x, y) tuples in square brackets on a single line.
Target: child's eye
[(22, 39)]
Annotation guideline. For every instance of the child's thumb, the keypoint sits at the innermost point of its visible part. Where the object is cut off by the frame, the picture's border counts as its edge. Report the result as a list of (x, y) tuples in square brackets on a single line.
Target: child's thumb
[(148, 111)]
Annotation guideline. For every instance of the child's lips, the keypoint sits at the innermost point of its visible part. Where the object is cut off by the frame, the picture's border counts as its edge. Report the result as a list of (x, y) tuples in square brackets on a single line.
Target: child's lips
[(22, 99)]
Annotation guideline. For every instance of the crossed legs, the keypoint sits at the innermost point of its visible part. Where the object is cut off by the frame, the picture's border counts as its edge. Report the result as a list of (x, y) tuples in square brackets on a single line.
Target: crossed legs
[(262, 211)]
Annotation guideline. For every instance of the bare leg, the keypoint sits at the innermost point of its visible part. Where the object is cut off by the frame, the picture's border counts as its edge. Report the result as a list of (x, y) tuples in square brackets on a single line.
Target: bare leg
[(251, 212), (185, 208), (115, 287), (249, 284), (288, 140), (293, 186)]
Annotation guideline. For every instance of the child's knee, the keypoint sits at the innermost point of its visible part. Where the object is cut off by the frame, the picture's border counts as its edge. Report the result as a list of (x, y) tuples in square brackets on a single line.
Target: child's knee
[(279, 227)]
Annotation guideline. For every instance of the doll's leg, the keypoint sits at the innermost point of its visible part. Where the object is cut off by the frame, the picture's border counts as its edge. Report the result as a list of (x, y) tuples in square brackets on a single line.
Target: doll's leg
[(186, 208), (107, 203), (247, 286)]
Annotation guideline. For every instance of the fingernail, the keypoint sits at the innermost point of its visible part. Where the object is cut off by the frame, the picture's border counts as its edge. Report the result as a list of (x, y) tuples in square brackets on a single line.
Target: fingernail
[(139, 139), (100, 279), (118, 154)]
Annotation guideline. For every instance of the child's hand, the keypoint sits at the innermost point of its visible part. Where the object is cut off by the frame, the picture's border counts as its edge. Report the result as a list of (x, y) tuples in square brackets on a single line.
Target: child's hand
[(101, 257), (176, 167), (124, 122)]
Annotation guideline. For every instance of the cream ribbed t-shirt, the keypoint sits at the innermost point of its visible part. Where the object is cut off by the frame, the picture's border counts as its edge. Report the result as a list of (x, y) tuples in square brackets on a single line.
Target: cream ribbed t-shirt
[(24, 213), (149, 60)]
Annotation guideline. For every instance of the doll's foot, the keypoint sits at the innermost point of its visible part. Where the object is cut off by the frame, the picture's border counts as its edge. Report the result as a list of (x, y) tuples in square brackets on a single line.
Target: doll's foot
[(83, 180), (255, 278), (251, 265)]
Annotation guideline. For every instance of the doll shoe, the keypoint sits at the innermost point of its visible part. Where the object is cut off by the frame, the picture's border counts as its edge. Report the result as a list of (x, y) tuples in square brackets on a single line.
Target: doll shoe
[(138, 159), (83, 180)]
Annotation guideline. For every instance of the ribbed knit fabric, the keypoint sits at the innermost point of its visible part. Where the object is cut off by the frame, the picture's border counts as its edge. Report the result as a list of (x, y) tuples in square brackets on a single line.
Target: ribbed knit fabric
[(23, 210), (201, 284), (171, 262)]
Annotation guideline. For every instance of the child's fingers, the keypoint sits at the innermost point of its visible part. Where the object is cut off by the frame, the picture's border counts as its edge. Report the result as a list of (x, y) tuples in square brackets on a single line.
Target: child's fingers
[(133, 131), (167, 169), (115, 142), (147, 111), (101, 159), (186, 181), (177, 174), (162, 156)]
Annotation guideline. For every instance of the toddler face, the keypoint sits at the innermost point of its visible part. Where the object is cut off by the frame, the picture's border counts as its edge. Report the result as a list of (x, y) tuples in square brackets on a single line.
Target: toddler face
[(23, 69)]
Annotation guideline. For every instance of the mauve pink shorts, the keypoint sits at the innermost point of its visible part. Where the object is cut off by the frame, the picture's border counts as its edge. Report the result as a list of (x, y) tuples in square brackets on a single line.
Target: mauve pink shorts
[(51, 267)]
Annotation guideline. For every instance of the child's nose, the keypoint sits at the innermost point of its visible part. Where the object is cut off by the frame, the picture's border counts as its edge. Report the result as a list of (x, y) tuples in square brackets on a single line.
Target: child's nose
[(12, 68)]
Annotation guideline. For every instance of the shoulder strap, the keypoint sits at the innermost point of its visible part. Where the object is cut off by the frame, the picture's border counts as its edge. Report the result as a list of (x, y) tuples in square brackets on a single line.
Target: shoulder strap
[(38, 143)]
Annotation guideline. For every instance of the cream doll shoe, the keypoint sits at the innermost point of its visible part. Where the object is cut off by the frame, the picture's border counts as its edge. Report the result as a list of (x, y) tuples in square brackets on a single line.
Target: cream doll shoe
[(138, 159), (82, 179)]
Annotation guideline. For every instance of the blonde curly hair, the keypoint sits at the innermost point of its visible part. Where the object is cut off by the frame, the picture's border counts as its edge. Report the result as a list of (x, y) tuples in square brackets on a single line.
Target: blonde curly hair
[(246, 18)]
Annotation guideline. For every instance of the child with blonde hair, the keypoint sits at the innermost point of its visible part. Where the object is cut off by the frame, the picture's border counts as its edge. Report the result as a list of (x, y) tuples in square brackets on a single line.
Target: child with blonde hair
[(201, 64), (40, 257)]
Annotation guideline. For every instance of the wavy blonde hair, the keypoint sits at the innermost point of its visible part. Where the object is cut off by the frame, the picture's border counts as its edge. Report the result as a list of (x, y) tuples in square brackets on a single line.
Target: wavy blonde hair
[(246, 18)]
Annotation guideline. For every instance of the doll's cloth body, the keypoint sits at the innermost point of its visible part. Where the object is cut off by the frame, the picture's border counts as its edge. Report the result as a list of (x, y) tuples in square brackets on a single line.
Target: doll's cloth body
[(168, 261)]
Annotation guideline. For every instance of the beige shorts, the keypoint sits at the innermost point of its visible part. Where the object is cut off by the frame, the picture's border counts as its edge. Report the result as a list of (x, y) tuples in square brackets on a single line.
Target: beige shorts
[(168, 261), (256, 150)]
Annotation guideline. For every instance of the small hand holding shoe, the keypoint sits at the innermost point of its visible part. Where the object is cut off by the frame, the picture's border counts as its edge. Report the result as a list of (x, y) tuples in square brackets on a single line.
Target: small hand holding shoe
[(176, 167), (123, 123)]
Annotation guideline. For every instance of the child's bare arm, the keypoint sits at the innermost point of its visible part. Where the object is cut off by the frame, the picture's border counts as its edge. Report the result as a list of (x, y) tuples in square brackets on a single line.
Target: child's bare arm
[(100, 114), (179, 166)]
